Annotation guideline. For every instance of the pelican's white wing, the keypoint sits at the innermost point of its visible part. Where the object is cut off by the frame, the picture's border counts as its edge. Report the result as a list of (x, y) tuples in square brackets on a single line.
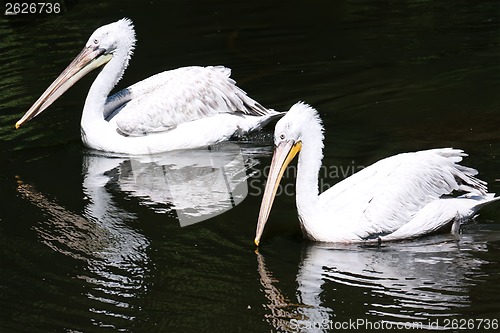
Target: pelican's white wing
[(167, 99), (384, 196)]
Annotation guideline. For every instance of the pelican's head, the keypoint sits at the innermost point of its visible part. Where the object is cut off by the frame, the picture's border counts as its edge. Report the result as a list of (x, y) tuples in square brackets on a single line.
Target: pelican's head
[(115, 39), (300, 121)]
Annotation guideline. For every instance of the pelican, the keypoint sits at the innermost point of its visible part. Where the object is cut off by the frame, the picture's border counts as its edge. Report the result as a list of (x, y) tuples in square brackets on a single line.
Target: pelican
[(188, 107), (399, 197)]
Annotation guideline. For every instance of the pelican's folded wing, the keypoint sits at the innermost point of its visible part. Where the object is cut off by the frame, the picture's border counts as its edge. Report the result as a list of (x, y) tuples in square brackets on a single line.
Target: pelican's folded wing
[(171, 98), (382, 197)]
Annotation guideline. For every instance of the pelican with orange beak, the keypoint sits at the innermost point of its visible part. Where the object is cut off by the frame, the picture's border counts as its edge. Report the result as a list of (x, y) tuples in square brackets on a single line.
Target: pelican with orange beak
[(399, 197)]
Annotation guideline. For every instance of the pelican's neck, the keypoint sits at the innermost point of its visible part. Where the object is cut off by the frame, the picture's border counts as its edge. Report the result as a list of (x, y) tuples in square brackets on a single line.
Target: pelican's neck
[(308, 167), (93, 122)]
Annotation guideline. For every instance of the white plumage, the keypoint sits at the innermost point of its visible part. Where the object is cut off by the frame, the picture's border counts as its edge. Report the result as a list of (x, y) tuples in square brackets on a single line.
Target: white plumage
[(399, 197), (188, 107)]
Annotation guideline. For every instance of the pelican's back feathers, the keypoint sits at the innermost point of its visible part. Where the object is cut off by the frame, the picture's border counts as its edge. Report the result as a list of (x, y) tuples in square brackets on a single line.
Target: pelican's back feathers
[(382, 197), (167, 99)]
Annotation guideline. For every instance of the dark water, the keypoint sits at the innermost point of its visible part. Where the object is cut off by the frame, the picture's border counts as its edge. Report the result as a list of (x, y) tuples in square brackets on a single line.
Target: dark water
[(94, 243)]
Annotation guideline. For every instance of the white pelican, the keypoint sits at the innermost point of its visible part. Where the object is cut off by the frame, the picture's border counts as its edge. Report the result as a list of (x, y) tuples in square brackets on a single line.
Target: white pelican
[(399, 197), (184, 108)]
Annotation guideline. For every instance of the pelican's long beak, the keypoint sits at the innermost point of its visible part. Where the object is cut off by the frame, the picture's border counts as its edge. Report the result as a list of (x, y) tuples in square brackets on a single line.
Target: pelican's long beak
[(283, 155), (88, 59)]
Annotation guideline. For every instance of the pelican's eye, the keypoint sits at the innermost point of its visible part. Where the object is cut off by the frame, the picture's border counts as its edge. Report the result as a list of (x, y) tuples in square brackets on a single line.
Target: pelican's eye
[(96, 41), (282, 136)]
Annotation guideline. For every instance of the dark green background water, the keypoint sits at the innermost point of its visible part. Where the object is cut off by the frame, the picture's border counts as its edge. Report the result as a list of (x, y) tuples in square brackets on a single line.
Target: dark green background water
[(86, 247)]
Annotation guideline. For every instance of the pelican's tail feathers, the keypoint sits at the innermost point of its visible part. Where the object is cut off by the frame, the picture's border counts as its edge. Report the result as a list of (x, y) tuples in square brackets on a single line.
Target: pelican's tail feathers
[(442, 213)]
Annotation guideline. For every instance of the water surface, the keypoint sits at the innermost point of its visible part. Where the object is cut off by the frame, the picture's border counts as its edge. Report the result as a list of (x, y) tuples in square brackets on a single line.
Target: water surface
[(92, 242)]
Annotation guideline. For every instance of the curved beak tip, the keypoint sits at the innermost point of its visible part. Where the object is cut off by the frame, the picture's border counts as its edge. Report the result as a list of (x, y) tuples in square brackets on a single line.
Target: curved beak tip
[(18, 124), (257, 242)]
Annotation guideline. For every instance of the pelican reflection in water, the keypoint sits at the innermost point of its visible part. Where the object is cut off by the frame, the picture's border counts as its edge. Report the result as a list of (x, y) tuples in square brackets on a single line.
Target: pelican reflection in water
[(192, 185), (185, 108), (399, 197), (411, 283), (113, 254)]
